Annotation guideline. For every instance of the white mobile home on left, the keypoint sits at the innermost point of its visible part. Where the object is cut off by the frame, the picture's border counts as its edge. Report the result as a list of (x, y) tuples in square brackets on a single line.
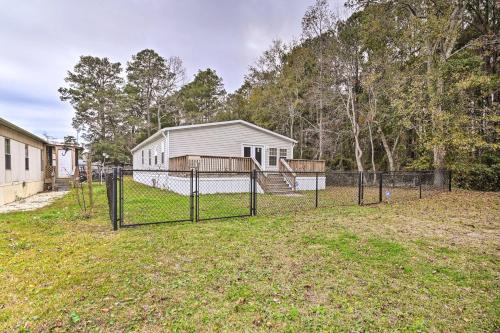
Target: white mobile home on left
[(30, 164), (21, 162)]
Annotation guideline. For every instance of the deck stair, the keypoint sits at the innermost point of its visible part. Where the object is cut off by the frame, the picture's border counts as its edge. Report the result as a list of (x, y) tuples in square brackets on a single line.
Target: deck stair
[(276, 184)]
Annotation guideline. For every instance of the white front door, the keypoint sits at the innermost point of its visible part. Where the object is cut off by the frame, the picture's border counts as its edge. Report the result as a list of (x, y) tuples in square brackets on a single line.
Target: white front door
[(257, 152), (64, 163)]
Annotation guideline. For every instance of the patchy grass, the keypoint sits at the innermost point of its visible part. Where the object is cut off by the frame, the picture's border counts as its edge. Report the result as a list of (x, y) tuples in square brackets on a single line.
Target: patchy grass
[(428, 265)]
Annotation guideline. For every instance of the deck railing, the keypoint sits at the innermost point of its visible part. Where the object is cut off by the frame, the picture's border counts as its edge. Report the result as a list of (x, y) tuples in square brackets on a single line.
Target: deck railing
[(49, 173), (179, 163), (299, 165), (211, 163), (288, 173), (241, 164)]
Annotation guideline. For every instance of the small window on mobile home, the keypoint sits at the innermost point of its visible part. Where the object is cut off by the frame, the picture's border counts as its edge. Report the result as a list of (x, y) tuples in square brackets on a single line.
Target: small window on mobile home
[(247, 151), (26, 158), (163, 153), (149, 156), (273, 152), (142, 157), (283, 153), (7, 155)]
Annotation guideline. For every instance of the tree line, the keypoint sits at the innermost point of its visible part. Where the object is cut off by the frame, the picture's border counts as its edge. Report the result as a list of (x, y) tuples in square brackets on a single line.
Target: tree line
[(396, 85)]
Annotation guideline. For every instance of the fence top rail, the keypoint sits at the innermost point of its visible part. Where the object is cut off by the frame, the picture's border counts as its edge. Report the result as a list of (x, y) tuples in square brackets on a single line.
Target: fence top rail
[(296, 173), (212, 156), (326, 171), (303, 159), (409, 171), (390, 172), (226, 172), (156, 170), (187, 171)]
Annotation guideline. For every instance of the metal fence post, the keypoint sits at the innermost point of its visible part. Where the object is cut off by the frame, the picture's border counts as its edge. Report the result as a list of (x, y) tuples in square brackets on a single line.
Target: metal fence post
[(120, 204), (360, 187), (251, 193), (254, 192), (191, 196), (316, 203), (197, 197), (420, 186), (449, 180), (380, 185), (114, 200)]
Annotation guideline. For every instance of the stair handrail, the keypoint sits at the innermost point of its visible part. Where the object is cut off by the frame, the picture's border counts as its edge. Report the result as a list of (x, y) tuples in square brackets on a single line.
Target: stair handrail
[(288, 174), (261, 177)]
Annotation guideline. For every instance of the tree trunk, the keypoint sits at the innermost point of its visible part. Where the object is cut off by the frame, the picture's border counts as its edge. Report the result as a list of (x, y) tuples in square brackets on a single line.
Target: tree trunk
[(439, 164), (301, 139), (438, 52), (149, 122), (372, 151), (158, 109), (387, 149), (351, 113), (358, 151), (320, 129), (439, 150), (89, 181)]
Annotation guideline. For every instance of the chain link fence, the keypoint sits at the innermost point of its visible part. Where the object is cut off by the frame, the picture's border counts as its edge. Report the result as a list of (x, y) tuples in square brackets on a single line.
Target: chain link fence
[(223, 194), (137, 197)]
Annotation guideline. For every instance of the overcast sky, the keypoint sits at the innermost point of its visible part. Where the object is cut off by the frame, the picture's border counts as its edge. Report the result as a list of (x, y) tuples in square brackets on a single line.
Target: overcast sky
[(41, 40)]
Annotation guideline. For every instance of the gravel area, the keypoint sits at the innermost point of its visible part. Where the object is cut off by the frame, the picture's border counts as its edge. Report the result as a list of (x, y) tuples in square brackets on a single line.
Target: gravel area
[(33, 202)]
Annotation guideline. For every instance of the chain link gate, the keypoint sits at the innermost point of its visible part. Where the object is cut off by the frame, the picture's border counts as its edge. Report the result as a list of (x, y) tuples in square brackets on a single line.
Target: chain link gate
[(155, 196), (142, 197), (223, 194)]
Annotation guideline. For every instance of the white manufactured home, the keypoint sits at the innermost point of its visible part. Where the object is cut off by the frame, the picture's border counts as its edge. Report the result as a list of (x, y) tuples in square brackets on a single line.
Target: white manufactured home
[(30, 164), (225, 151), (21, 162)]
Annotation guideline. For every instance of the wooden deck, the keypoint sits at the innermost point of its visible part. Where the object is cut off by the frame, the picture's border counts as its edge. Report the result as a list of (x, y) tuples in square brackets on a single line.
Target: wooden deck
[(301, 165), (206, 163)]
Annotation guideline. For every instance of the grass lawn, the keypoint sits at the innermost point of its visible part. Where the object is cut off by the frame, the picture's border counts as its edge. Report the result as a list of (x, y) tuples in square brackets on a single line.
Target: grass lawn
[(427, 265)]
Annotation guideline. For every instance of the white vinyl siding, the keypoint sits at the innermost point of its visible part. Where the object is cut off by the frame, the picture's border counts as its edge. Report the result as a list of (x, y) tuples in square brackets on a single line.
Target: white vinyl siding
[(18, 172), (224, 140), (140, 157)]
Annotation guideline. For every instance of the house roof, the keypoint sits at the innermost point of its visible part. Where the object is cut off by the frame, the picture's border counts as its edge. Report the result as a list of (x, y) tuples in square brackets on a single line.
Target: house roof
[(215, 124), (16, 128)]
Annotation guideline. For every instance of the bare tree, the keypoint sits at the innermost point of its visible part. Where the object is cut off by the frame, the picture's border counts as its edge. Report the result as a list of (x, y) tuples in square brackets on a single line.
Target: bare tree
[(317, 23)]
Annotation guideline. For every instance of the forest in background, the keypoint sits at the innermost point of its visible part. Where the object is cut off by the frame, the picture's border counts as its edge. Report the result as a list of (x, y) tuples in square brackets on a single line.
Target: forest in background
[(398, 85)]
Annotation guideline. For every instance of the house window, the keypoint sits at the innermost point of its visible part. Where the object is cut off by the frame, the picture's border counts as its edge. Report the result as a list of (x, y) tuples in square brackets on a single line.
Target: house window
[(7, 154), (26, 158), (162, 157), (247, 151), (156, 157), (273, 152), (142, 157), (149, 156), (283, 153)]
